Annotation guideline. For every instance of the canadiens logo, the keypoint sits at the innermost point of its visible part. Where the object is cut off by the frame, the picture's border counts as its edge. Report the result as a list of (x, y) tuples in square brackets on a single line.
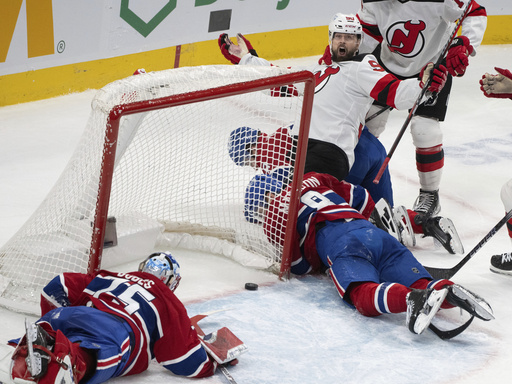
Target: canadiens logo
[(406, 38), (322, 77)]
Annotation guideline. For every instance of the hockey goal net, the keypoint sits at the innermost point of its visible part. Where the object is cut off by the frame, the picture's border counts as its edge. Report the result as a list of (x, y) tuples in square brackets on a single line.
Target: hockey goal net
[(153, 171)]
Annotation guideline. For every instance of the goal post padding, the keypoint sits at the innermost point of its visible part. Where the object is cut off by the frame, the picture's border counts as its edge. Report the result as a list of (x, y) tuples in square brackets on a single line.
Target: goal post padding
[(154, 156)]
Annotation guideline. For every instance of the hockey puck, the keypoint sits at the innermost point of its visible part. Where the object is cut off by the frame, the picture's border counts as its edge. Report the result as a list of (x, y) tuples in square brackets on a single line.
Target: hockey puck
[(251, 286)]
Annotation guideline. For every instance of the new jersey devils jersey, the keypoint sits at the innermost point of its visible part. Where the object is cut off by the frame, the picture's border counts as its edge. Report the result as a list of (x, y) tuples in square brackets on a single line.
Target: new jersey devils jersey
[(159, 322), (343, 94), (413, 33), (323, 198)]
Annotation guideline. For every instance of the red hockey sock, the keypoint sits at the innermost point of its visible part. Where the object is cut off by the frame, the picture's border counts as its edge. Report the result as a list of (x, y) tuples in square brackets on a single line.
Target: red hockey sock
[(416, 228), (430, 159), (372, 299)]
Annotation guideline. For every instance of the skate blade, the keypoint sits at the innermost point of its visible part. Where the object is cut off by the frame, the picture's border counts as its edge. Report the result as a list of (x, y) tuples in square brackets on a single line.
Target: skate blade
[(404, 225), (455, 242), (435, 300), (481, 308)]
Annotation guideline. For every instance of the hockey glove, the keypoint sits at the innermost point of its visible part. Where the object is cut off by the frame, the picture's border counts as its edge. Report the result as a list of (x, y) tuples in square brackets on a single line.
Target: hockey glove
[(457, 57), (439, 76), (497, 86), (234, 52), (327, 57)]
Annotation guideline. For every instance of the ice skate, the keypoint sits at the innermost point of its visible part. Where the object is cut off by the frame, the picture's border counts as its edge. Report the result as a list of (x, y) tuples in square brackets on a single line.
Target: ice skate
[(37, 359), (382, 217), (470, 302), (422, 306), (404, 226), (427, 203), (502, 263), (443, 231)]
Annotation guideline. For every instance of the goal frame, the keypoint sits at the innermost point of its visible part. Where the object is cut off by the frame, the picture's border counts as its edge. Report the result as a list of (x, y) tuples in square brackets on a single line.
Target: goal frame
[(120, 110)]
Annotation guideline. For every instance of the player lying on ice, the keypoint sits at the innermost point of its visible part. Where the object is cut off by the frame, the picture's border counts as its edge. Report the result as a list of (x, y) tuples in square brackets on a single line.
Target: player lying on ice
[(371, 270), (275, 153), (97, 327), (345, 90)]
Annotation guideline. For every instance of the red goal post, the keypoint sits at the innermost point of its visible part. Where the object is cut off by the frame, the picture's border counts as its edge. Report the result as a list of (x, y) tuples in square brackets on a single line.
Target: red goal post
[(116, 173)]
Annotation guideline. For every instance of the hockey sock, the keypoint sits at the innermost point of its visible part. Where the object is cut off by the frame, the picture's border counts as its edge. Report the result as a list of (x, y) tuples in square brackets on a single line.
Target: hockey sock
[(430, 162), (436, 284), (416, 228), (372, 299)]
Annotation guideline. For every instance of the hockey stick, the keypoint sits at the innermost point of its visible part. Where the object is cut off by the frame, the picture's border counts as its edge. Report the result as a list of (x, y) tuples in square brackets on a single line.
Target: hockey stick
[(450, 334), (421, 95), (378, 113), (442, 273)]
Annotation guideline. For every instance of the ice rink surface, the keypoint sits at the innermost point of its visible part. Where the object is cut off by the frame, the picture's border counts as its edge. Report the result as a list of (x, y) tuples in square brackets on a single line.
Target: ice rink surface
[(300, 331)]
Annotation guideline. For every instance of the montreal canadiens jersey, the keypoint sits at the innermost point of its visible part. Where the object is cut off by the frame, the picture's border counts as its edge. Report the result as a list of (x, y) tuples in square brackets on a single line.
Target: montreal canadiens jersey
[(275, 151), (413, 33), (343, 94), (158, 320), (323, 198)]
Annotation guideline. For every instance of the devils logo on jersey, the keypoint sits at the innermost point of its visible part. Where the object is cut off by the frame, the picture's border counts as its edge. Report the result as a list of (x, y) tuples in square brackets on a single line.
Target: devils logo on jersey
[(322, 77), (406, 38)]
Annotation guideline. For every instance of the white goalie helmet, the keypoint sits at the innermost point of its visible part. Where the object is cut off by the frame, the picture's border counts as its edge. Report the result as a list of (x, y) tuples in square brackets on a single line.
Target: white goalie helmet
[(164, 266), (341, 23)]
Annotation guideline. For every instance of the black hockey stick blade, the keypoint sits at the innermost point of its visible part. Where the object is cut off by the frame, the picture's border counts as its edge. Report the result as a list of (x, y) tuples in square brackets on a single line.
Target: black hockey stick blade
[(450, 334), (442, 273)]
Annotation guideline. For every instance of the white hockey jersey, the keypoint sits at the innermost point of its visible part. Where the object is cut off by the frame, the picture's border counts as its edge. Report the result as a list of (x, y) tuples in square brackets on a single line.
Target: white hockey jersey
[(413, 33), (344, 92)]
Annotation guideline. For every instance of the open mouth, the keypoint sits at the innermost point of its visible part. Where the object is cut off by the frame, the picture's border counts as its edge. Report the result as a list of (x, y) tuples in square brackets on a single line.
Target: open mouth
[(342, 51)]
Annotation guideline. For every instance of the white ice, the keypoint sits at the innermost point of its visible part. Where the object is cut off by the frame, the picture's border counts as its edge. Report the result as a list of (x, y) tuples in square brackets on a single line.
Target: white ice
[(300, 331)]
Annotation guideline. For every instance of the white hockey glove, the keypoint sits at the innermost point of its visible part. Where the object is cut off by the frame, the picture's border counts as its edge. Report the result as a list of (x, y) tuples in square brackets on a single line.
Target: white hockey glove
[(234, 52), (497, 86)]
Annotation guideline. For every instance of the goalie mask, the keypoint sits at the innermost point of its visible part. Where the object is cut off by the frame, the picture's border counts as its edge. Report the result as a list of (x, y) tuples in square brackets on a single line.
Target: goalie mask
[(256, 197), (341, 23), (164, 266), (240, 141)]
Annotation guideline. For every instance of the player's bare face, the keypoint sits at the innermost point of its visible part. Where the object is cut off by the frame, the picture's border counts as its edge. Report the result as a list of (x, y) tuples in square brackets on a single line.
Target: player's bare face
[(344, 46)]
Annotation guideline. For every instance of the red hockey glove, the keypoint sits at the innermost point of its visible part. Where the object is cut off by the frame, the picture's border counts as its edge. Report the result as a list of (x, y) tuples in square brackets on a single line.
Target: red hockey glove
[(326, 58), (497, 86), (457, 57), (439, 76), (234, 52)]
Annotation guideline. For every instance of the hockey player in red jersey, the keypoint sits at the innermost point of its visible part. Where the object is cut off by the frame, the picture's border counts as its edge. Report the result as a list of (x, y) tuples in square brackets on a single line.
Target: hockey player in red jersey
[(274, 154), (499, 85), (371, 270), (404, 36), (97, 327)]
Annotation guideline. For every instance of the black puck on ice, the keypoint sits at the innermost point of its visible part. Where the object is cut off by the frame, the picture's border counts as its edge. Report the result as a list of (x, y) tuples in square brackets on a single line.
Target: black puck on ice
[(251, 286)]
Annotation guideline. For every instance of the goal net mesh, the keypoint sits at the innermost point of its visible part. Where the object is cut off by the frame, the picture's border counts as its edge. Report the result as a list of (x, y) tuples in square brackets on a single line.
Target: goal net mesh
[(174, 183)]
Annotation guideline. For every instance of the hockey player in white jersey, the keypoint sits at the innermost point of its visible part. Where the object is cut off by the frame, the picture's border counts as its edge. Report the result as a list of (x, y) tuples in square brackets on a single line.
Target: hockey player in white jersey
[(344, 92), (404, 36)]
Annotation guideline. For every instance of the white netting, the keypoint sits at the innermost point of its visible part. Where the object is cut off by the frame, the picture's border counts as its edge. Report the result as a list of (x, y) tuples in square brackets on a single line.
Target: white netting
[(172, 175)]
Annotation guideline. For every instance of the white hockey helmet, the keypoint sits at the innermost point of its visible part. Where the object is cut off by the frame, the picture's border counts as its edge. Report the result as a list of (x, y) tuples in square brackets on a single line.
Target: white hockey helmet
[(164, 266), (344, 24)]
